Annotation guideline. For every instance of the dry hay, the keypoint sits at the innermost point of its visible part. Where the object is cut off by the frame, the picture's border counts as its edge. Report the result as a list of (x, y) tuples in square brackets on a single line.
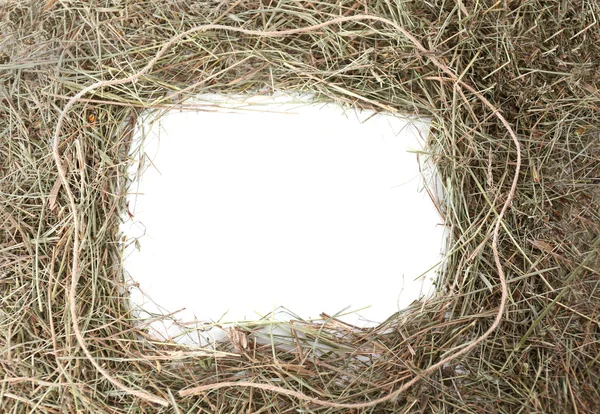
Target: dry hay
[(513, 91)]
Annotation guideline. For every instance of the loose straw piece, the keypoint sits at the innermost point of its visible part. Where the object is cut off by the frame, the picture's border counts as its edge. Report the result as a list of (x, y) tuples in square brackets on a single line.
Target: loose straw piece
[(132, 78)]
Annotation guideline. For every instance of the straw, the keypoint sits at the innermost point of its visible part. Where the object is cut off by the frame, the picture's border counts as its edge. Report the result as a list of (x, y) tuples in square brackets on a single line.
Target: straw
[(513, 95)]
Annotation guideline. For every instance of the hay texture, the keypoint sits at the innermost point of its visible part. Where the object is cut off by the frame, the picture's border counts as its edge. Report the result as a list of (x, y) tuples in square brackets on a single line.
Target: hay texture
[(512, 88)]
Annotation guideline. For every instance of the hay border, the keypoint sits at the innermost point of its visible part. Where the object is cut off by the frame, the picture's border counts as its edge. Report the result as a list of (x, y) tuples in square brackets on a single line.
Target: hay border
[(580, 264)]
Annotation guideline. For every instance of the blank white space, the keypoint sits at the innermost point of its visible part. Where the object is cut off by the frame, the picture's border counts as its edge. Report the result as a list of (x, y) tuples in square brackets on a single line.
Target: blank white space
[(307, 207)]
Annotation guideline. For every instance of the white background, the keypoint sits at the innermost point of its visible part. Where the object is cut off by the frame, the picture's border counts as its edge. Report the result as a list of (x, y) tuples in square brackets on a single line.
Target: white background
[(241, 211)]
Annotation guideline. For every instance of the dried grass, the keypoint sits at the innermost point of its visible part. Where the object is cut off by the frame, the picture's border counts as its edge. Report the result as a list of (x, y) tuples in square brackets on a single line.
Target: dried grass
[(513, 91)]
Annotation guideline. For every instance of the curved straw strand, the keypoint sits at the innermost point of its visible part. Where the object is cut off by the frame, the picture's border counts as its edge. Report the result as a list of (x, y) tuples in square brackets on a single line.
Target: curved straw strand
[(132, 78)]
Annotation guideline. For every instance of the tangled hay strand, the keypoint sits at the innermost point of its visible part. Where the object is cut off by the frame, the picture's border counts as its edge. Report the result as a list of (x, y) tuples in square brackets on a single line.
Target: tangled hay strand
[(479, 71)]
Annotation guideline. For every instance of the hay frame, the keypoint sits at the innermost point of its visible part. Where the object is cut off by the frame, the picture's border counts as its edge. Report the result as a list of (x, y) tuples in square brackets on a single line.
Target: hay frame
[(513, 92)]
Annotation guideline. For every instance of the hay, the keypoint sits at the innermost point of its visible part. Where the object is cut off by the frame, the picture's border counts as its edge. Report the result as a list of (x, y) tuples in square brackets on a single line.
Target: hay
[(513, 91)]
